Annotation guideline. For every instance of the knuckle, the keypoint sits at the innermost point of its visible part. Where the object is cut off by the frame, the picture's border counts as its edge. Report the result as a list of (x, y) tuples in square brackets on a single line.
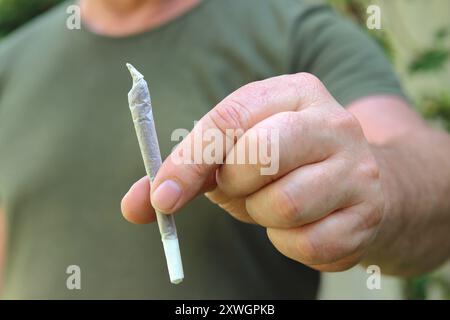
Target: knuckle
[(374, 216), (308, 79), (285, 205), (368, 168), (288, 119), (197, 170), (308, 248), (230, 114), (321, 249), (229, 180), (345, 121), (307, 82)]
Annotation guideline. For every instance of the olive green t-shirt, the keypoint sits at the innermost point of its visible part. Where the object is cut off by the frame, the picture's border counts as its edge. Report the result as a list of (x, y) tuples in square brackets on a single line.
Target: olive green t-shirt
[(68, 150)]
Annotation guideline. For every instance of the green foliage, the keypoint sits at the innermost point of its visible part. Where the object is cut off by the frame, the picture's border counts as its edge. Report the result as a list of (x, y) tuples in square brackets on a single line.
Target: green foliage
[(416, 288), (434, 58), (437, 107), (429, 60), (441, 34), (434, 107), (14, 13), (444, 286), (419, 288)]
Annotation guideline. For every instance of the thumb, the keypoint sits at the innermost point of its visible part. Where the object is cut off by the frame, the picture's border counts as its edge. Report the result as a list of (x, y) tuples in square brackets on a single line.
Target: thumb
[(187, 172)]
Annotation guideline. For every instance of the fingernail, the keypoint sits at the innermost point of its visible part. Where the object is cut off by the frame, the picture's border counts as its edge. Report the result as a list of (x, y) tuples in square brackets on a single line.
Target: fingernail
[(166, 195)]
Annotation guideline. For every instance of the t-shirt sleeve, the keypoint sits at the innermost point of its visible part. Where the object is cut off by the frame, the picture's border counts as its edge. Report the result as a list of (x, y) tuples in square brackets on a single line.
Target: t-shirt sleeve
[(346, 59)]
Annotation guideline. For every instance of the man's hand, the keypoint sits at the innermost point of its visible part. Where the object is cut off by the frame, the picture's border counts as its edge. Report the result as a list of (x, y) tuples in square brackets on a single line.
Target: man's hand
[(324, 205)]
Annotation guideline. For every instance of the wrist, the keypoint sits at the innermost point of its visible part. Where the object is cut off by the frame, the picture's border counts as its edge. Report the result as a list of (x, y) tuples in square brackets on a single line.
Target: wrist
[(379, 252)]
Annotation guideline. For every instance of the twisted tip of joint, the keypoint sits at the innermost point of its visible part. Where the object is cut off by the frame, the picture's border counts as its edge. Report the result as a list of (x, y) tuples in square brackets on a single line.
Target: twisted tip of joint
[(136, 75)]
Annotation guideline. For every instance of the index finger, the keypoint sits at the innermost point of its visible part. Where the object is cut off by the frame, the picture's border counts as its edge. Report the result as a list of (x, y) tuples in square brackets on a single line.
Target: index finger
[(183, 174)]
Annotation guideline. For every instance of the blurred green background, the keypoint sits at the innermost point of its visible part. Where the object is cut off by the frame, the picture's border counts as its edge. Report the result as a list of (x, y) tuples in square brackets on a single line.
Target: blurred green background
[(415, 35)]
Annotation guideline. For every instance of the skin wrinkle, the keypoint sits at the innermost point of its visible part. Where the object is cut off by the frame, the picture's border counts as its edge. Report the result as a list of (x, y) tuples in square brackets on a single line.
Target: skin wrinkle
[(363, 163), (387, 123), (233, 172), (317, 252), (414, 176), (401, 253)]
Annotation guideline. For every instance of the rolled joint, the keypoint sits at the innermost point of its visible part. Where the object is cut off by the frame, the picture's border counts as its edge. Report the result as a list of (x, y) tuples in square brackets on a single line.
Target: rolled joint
[(173, 257), (142, 113), (169, 235)]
